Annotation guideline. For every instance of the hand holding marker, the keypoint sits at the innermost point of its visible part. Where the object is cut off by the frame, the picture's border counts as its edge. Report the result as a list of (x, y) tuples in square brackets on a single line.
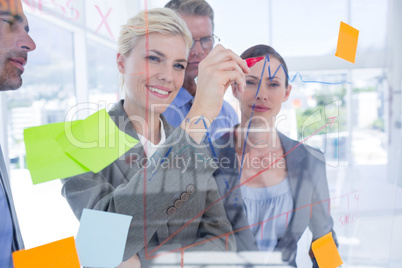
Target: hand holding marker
[(250, 63)]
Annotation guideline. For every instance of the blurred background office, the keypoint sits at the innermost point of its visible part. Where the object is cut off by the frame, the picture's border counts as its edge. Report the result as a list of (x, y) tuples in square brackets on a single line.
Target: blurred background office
[(72, 74)]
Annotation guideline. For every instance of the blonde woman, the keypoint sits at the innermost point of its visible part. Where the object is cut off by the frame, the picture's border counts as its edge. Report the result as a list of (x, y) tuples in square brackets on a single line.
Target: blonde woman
[(161, 181)]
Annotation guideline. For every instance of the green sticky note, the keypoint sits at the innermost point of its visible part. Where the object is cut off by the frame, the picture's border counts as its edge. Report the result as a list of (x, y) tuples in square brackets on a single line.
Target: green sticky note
[(96, 142), (62, 150), (46, 159)]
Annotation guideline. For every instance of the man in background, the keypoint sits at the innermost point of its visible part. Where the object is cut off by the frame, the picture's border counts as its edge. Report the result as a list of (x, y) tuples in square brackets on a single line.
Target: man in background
[(15, 43), (199, 17)]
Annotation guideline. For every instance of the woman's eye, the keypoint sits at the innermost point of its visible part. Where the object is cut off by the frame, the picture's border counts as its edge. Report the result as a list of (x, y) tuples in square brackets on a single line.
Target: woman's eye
[(274, 85), (153, 58), (179, 66), (250, 83)]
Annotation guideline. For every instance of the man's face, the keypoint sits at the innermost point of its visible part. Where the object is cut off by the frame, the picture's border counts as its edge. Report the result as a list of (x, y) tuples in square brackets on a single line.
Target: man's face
[(15, 43), (200, 27)]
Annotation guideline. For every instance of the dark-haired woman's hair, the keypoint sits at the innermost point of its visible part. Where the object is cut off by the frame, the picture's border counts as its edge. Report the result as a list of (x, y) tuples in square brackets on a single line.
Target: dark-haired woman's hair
[(262, 51)]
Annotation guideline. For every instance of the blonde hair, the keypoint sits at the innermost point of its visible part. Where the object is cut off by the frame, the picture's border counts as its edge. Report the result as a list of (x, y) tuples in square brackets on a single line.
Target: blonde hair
[(156, 20)]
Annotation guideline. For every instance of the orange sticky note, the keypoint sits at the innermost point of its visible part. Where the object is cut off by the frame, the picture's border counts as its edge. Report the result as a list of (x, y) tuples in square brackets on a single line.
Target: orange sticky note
[(326, 253), (60, 254), (347, 42)]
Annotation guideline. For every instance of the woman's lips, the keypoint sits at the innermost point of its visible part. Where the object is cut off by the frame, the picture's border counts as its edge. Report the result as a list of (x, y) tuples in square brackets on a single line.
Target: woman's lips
[(260, 108), (159, 91)]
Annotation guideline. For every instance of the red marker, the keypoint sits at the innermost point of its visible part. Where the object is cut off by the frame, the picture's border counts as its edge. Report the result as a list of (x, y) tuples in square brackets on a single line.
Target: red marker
[(252, 61)]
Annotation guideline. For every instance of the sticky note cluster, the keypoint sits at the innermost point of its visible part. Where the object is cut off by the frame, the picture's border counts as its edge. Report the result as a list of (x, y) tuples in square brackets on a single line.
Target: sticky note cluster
[(326, 253), (61, 150), (100, 242)]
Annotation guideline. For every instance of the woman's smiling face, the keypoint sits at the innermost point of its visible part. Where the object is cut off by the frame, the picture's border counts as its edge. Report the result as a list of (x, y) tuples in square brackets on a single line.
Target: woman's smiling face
[(153, 72)]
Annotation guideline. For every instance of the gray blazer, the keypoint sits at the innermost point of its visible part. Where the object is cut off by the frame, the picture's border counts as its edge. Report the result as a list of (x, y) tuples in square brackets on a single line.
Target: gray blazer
[(308, 183), (18, 243), (175, 189)]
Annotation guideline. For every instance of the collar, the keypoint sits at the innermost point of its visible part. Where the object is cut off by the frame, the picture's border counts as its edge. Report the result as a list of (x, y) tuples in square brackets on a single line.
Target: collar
[(295, 151), (182, 98), (146, 141), (121, 119)]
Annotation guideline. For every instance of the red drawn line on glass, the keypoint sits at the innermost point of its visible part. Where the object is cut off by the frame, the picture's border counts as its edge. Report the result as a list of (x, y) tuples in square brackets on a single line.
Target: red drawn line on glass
[(237, 186), (262, 231), (249, 226), (252, 225), (104, 21), (182, 258), (246, 227), (144, 196), (77, 13), (333, 120), (52, 7), (137, 27), (311, 210)]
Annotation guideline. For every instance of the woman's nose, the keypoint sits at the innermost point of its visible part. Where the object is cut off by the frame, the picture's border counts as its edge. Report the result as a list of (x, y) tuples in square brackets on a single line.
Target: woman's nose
[(165, 75), (262, 96)]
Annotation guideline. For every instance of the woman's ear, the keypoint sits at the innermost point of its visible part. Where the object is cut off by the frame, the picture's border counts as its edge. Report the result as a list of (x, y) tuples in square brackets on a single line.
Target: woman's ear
[(287, 93), (121, 63), (234, 90)]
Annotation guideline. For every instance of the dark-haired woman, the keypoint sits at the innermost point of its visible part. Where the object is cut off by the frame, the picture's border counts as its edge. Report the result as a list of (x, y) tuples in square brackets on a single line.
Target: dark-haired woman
[(273, 187)]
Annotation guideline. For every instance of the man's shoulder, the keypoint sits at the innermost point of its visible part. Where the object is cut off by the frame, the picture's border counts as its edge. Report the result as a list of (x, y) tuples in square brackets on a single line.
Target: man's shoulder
[(227, 109), (182, 97)]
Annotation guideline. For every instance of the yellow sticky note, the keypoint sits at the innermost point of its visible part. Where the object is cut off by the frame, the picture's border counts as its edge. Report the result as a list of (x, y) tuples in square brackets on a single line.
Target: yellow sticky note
[(60, 254), (347, 42), (326, 253)]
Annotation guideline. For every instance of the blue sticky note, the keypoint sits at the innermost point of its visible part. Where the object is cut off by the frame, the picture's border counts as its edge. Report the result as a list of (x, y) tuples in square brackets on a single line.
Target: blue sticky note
[(101, 238)]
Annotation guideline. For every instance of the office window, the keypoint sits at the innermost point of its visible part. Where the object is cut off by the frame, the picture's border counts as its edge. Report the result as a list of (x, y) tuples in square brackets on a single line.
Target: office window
[(306, 28), (103, 82)]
